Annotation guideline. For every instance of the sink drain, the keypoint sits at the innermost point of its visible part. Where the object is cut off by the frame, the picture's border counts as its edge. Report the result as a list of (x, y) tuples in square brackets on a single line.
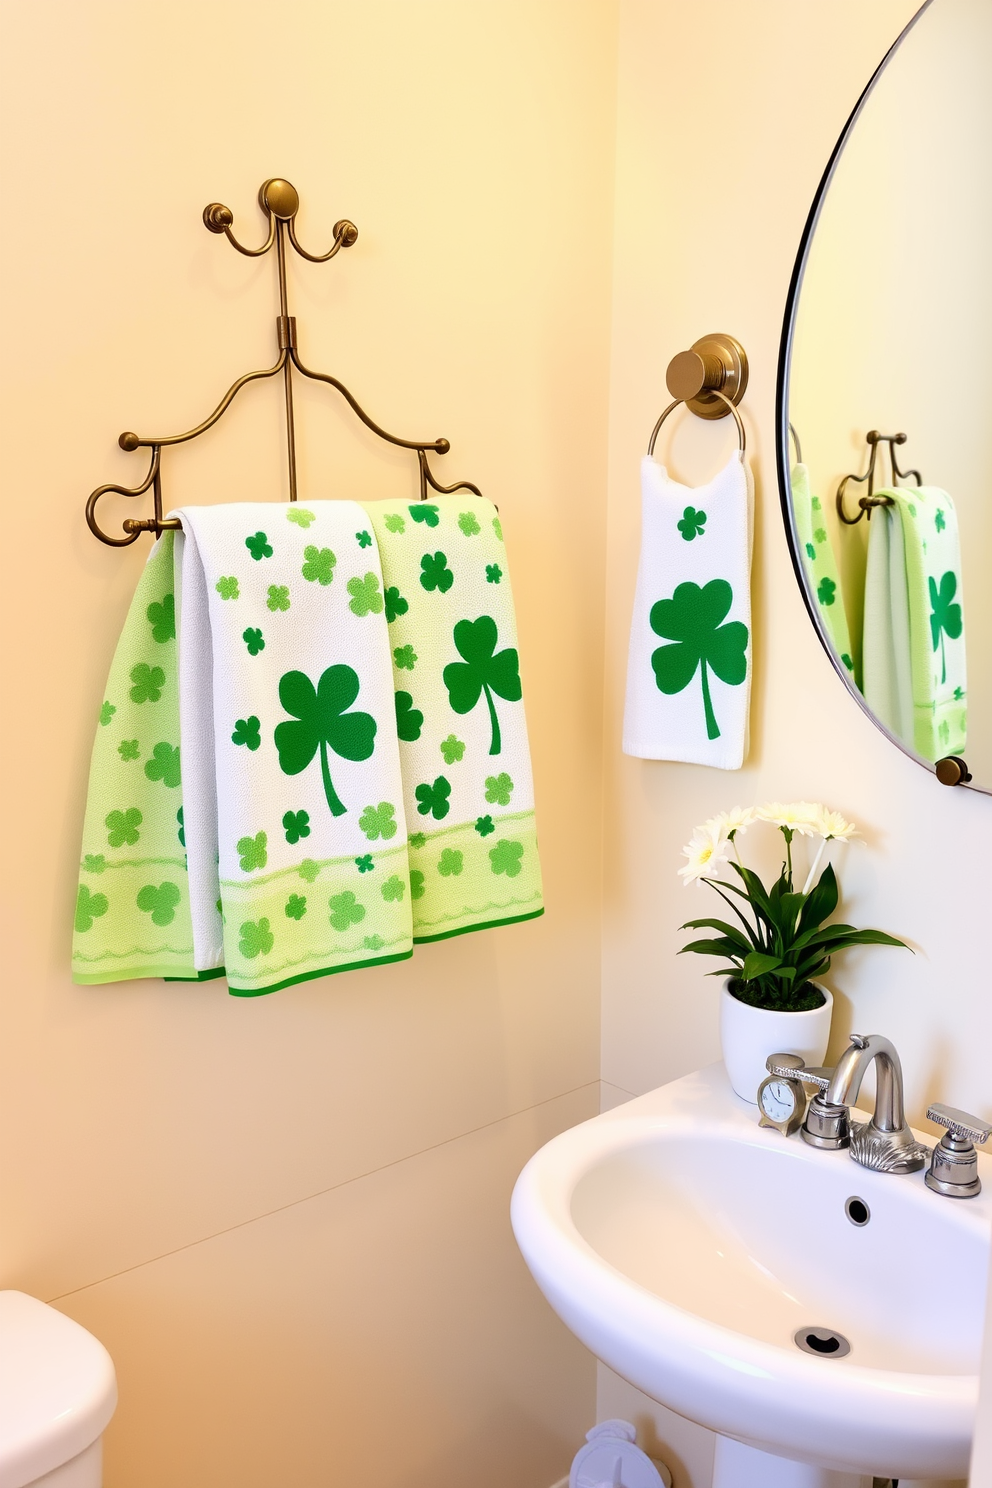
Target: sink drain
[(823, 1342)]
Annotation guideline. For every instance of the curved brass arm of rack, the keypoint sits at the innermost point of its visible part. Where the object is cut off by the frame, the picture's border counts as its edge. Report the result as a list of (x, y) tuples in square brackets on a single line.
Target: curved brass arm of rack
[(219, 219), (129, 441), (439, 446), (427, 479), (133, 530), (345, 234)]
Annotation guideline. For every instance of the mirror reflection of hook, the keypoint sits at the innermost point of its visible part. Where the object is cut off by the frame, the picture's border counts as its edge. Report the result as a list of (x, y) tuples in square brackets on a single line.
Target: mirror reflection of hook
[(865, 503)]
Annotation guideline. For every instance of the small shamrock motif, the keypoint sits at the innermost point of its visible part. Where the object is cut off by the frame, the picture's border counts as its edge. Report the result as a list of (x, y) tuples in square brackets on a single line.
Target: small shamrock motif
[(498, 528), (345, 910), (148, 683), (938, 520), (122, 827), (417, 839), (815, 503), (468, 523), (417, 890), (278, 597), (393, 889), (159, 902), (505, 857), (395, 523), (452, 749), (499, 788), (692, 523), (296, 824), (912, 508), (395, 604), (493, 573), (433, 799), (296, 907), (228, 588), (958, 694), (162, 617), (826, 591), (107, 711), (364, 864), (181, 834), (847, 661), (484, 825), (89, 907), (450, 863), (365, 596), (377, 821), (256, 939), (425, 513), (308, 870), (94, 863), (436, 573), (300, 516), (164, 765), (253, 640), (944, 731), (364, 539), (128, 749), (253, 851), (248, 731), (259, 546), (319, 563), (810, 552), (405, 658), (409, 720), (373, 942)]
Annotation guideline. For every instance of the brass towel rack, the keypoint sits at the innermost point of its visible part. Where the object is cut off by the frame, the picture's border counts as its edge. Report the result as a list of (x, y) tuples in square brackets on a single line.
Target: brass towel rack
[(866, 503), (280, 202)]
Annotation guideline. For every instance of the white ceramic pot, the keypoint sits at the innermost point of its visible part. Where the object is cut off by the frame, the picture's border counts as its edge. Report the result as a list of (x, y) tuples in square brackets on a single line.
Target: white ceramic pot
[(749, 1034)]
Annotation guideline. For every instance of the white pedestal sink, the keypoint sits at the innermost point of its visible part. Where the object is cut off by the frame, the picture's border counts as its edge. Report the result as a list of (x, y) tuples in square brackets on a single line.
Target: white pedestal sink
[(688, 1248)]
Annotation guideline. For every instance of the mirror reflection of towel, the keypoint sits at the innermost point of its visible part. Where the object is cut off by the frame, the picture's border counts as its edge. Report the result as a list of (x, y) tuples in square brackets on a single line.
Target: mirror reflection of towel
[(821, 565), (913, 584)]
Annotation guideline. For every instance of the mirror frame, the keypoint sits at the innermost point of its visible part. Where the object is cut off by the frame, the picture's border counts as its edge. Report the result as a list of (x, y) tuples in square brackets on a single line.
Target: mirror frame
[(782, 450)]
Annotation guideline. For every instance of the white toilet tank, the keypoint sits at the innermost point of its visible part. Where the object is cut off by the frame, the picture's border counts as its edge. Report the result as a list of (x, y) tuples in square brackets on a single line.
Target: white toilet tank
[(57, 1393)]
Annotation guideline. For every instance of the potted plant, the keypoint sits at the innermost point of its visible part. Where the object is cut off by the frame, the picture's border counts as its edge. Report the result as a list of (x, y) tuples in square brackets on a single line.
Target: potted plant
[(771, 1002)]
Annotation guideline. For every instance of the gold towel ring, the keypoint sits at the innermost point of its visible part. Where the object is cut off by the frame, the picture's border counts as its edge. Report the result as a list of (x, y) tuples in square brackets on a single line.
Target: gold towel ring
[(714, 393)]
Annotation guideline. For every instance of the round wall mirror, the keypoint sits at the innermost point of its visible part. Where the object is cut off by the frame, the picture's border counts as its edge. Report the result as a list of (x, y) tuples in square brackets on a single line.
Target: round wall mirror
[(885, 386)]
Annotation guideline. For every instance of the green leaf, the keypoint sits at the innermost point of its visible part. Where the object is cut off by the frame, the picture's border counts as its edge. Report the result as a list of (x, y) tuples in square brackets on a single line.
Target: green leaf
[(730, 931), (722, 947), (821, 900), (756, 964)]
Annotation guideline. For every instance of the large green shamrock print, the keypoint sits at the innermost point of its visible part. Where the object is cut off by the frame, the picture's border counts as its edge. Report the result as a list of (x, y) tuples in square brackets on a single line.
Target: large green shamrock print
[(122, 827), (321, 721), (164, 765), (483, 670), (148, 683), (945, 617), (409, 720), (89, 907), (432, 800), (692, 523), (425, 513), (160, 902), (163, 619), (436, 573), (692, 620), (377, 821)]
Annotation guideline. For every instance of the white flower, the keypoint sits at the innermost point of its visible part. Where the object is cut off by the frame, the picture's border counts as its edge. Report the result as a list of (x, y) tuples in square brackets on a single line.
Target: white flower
[(705, 853), (830, 824), (737, 820), (798, 816)]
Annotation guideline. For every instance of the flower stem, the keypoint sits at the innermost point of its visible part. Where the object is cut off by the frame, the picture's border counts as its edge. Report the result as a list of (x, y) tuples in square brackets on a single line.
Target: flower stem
[(816, 863)]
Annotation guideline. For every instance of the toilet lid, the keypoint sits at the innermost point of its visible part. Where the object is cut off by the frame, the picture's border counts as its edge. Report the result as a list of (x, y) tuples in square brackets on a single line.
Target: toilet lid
[(57, 1389)]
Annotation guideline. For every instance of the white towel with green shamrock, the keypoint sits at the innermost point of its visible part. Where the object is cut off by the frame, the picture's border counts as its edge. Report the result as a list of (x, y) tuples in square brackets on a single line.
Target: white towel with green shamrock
[(689, 662), (463, 739), (132, 908), (887, 659), (294, 814), (821, 566), (932, 560)]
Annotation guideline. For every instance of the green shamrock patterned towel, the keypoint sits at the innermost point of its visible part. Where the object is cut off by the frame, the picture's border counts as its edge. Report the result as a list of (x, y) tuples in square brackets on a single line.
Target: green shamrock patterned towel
[(294, 805), (821, 565), (132, 909), (467, 783)]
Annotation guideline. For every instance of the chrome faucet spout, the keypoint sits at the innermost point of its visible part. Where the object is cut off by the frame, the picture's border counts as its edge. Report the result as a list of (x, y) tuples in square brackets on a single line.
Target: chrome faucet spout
[(885, 1142), (845, 1084)]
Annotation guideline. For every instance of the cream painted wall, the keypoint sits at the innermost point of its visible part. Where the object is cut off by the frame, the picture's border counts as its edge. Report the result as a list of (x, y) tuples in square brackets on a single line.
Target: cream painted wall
[(726, 119), (185, 1171)]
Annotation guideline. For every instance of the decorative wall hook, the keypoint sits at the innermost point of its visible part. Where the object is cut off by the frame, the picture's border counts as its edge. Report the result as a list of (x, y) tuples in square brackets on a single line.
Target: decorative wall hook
[(280, 202), (865, 503), (710, 379)]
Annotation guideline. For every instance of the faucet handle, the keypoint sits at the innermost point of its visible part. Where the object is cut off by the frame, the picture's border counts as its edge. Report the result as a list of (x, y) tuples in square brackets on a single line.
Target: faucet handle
[(970, 1128), (791, 1067)]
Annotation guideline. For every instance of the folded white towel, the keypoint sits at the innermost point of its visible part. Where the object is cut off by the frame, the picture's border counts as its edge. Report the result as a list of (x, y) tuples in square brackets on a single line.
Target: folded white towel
[(689, 665), (293, 803)]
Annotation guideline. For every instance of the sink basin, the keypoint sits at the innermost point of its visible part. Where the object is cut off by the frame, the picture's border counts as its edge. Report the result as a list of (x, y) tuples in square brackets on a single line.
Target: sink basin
[(687, 1247)]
